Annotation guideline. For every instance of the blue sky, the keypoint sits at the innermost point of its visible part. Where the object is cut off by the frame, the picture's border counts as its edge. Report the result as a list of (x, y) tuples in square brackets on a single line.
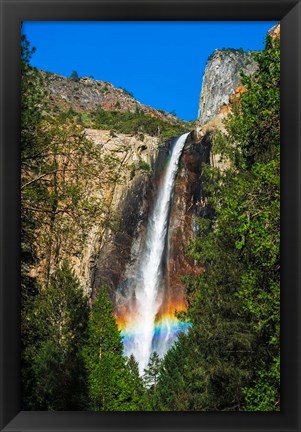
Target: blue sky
[(161, 63)]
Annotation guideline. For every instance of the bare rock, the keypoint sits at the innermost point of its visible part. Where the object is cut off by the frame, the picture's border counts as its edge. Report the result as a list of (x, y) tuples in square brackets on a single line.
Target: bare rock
[(221, 80)]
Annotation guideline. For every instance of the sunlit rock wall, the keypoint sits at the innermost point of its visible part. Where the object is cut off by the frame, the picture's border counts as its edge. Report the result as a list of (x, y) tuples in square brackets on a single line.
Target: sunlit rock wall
[(221, 78)]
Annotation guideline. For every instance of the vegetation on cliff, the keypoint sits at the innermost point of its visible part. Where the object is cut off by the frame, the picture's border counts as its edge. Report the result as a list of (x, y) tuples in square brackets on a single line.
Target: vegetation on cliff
[(136, 123), (100, 105), (127, 122)]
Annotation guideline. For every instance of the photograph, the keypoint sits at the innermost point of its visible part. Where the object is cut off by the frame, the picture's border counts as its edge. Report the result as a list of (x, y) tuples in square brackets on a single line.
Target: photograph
[(150, 216)]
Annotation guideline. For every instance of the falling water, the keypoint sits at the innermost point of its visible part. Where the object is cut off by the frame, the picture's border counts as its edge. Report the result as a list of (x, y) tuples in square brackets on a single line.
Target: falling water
[(149, 287)]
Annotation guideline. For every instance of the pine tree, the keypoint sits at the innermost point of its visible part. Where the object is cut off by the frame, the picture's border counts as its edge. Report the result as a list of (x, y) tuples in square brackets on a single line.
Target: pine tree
[(151, 378), (111, 387), (139, 393), (58, 323), (172, 392), (260, 236), (254, 214), (135, 376), (152, 372)]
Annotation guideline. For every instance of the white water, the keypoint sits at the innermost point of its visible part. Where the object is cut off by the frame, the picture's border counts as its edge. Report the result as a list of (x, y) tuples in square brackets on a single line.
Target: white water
[(148, 291)]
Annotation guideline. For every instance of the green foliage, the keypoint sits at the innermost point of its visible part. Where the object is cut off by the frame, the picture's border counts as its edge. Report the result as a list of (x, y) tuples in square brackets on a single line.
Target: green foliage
[(139, 392), (113, 384), (220, 342), (250, 206), (127, 122), (172, 393), (32, 104), (136, 123), (32, 101), (152, 372), (140, 166), (264, 394), (144, 166), (55, 325), (255, 124), (255, 130), (86, 120), (150, 379)]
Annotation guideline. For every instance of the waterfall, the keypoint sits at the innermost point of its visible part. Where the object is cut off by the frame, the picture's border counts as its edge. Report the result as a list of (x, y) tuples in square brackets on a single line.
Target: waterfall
[(141, 337)]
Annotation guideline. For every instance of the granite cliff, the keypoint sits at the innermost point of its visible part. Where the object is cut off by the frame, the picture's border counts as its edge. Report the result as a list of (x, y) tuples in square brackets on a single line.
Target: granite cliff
[(221, 79)]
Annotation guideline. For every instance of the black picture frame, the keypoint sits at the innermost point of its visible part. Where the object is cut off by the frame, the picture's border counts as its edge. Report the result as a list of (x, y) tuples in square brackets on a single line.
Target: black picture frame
[(15, 11)]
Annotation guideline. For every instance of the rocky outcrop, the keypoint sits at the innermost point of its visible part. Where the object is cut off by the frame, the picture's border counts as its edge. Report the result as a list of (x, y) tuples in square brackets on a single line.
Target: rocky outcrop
[(221, 89), (204, 134), (222, 79), (87, 94), (274, 32)]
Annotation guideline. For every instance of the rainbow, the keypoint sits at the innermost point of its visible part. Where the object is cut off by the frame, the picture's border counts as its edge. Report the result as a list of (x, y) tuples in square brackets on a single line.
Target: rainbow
[(166, 331)]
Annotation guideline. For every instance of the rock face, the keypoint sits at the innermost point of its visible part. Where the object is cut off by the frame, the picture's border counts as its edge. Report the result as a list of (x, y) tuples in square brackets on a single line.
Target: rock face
[(87, 94), (221, 79), (186, 207), (119, 250), (110, 261), (107, 250)]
